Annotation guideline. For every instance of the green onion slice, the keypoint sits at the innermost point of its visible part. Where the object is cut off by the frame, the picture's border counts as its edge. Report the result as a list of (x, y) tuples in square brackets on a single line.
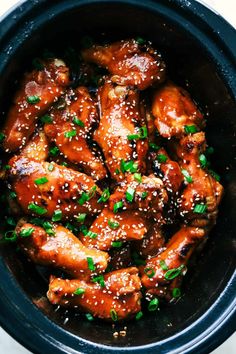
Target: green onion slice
[(190, 129), (200, 208), (153, 304), (117, 206), (117, 244), (91, 265), (33, 99), (187, 176), (114, 315), (113, 224), (79, 291), (27, 232), (78, 122), (105, 196), (41, 180), (100, 280), (37, 209), (176, 292), (173, 273), (163, 264), (70, 134), (139, 315), (130, 194), (149, 272), (162, 158), (57, 215)]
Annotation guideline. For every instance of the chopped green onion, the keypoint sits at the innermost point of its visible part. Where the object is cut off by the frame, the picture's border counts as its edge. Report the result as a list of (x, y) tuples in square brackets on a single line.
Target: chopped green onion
[(41, 180), (138, 177), (117, 206), (51, 167), (173, 273), (117, 244), (100, 280), (117, 171), (203, 161), (141, 135), (7, 167), (113, 224), (27, 232), (130, 194), (33, 99), (139, 315), (78, 122), (12, 195), (162, 158), (87, 196), (190, 129), (72, 228), (11, 221), (114, 315), (128, 166), (91, 234), (91, 265), (2, 137), (144, 195), (48, 227), (70, 134), (79, 291), (140, 40), (84, 229), (37, 209), (154, 146), (46, 119), (54, 151), (89, 317), (187, 176), (149, 272), (215, 175), (153, 305), (200, 208), (10, 236), (105, 196), (176, 292), (163, 264), (81, 217), (57, 215), (64, 163)]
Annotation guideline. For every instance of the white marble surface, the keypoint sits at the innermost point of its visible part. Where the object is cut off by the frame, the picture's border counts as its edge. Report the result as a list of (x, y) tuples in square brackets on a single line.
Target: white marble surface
[(227, 8)]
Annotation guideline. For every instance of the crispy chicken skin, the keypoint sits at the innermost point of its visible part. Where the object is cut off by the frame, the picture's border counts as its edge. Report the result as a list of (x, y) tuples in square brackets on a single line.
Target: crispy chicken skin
[(177, 253), (62, 189), (150, 195), (78, 117), (204, 189), (62, 250), (129, 63), (173, 109), (109, 227), (120, 117), (37, 147), (45, 86), (120, 295)]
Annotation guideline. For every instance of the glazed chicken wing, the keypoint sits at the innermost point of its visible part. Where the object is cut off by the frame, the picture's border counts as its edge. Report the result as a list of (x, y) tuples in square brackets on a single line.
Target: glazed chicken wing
[(114, 297), (171, 263), (70, 129), (108, 228), (148, 196), (202, 194), (38, 91), (45, 188), (37, 147), (174, 110), (120, 119), (129, 63), (62, 250)]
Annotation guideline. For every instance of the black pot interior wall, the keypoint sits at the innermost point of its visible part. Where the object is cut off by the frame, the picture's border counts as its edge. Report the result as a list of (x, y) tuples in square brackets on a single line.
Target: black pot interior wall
[(189, 65)]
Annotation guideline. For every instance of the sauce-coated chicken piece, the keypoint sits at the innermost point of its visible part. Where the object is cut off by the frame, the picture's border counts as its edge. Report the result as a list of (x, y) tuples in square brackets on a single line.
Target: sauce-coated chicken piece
[(153, 242), (38, 91), (171, 263), (148, 196), (108, 228), (42, 188), (173, 110), (120, 119), (37, 147), (202, 191), (61, 250), (114, 297), (129, 63), (71, 128), (168, 170)]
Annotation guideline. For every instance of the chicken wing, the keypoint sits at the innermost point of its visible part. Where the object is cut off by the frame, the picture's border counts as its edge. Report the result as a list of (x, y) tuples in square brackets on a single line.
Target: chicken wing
[(61, 250), (148, 196), (120, 120), (37, 148), (171, 263), (70, 129), (37, 92), (47, 188), (202, 194), (110, 229), (129, 63), (115, 297), (174, 110)]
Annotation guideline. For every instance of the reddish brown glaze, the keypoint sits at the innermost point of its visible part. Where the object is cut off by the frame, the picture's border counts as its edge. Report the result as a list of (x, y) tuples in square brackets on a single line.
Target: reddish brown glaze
[(48, 85)]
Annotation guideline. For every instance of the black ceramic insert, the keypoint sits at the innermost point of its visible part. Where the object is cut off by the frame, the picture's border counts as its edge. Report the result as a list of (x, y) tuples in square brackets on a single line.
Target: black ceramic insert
[(199, 48)]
